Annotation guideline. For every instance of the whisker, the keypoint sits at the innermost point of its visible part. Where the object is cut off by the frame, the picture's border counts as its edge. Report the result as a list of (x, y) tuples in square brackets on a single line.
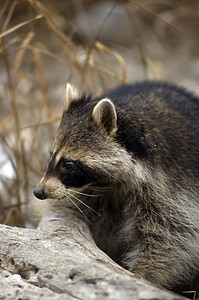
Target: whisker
[(69, 198), (99, 189), (84, 204), (84, 194)]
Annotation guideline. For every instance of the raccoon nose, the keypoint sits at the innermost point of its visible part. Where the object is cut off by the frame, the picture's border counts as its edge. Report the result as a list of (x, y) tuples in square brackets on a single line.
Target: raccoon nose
[(40, 194)]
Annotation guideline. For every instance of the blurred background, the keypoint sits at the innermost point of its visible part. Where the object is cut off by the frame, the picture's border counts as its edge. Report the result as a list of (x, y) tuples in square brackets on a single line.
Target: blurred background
[(95, 45)]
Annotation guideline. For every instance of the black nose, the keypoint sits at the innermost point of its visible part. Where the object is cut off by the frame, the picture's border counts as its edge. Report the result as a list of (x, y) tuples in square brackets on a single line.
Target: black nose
[(40, 194)]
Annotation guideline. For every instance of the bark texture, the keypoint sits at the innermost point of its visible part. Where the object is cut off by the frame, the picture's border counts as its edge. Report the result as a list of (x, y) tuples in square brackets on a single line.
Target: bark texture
[(59, 260)]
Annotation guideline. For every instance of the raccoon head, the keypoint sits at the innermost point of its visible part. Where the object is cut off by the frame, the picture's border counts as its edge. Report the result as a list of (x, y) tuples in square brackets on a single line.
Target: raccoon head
[(85, 154)]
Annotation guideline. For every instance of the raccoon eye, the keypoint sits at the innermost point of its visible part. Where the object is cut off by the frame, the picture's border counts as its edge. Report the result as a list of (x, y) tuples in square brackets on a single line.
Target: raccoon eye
[(68, 165), (65, 165)]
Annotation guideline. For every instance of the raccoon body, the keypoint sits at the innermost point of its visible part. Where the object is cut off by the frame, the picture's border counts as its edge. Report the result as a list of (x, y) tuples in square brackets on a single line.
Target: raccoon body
[(128, 163)]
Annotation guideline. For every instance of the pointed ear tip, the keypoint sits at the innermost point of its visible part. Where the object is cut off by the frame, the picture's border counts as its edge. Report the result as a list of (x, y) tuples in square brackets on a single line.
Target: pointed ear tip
[(105, 105), (71, 94), (68, 86), (71, 90), (105, 116), (106, 101)]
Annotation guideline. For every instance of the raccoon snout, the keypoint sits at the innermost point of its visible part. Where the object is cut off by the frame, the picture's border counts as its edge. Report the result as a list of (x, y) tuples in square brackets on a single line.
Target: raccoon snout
[(40, 193)]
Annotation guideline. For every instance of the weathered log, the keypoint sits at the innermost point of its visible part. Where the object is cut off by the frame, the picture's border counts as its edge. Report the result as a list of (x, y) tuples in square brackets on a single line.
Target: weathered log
[(59, 260)]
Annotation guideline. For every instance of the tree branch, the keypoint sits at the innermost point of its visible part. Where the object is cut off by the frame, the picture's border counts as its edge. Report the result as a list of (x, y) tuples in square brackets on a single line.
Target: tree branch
[(59, 260)]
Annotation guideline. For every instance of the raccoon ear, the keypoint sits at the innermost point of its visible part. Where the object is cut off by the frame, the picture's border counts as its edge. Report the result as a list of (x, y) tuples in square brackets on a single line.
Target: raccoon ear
[(105, 116), (72, 94)]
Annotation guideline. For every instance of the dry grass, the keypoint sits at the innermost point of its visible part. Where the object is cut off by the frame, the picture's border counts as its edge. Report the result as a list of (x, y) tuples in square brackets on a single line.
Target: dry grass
[(30, 41), (28, 114)]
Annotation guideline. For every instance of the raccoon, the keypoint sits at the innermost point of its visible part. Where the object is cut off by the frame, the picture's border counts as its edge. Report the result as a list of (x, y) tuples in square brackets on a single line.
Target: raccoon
[(128, 163)]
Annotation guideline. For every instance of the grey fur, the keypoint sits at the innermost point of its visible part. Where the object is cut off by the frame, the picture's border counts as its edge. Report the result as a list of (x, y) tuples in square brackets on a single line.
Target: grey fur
[(143, 203)]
